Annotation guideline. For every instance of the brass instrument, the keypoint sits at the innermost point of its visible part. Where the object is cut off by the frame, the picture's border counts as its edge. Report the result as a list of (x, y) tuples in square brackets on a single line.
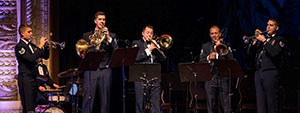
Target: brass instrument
[(221, 48), (53, 44), (164, 41), (95, 41), (97, 37), (250, 39), (81, 47)]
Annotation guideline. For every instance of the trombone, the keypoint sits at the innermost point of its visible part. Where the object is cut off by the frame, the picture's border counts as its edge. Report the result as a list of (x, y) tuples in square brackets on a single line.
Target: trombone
[(164, 42), (221, 48)]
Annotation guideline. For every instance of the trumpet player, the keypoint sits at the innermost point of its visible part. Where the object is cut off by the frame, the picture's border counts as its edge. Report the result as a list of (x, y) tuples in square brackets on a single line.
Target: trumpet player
[(268, 59), (147, 54), (217, 88), (101, 78), (27, 54)]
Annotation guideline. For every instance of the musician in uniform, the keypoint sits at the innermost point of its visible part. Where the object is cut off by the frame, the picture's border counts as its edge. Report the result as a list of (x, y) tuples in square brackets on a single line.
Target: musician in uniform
[(27, 54), (217, 92), (101, 78), (148, 53), (44, 82), (269, 50)]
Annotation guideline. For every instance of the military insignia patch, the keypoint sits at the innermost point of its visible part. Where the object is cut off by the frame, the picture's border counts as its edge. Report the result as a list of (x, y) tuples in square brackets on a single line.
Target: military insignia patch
[(22, 51), (273, 42), (281, 44)]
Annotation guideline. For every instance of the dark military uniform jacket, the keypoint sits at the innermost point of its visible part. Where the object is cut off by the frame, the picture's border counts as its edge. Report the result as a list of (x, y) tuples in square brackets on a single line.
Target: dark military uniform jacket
[(27, 60), (269, 55), (142, 56), (104, 47)]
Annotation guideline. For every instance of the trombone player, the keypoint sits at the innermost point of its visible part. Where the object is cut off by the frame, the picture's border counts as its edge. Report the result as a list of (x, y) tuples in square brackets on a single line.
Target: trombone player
[(148, 53), (101, 78), (217, 88)]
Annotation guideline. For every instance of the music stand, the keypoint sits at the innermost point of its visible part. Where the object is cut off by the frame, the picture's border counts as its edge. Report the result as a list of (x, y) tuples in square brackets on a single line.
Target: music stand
[(228, 68), (122, 57), (140, 69), (194, 72), (146, 73), (90, 63)]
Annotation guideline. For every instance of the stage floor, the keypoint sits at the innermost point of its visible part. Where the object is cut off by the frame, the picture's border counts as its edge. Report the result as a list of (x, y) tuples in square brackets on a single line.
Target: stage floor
[(10, 107), (16, 107)]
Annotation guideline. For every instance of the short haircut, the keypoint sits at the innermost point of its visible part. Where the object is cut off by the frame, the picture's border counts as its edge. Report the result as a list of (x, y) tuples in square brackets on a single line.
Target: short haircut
[(275, 20), (99, 13), (214, 26), (149, 26), (22, 28)]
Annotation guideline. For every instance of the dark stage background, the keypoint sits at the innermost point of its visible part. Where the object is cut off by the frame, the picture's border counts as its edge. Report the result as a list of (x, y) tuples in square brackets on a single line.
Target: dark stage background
[(187, 21)]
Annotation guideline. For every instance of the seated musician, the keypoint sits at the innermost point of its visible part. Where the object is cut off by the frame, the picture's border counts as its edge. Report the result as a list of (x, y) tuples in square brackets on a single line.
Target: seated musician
[(44, 83)]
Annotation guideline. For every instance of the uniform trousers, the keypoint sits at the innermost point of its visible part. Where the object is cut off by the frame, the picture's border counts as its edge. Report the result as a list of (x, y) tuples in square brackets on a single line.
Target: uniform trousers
[(100, 81), (28, 90), (217, 95), (267, 87)]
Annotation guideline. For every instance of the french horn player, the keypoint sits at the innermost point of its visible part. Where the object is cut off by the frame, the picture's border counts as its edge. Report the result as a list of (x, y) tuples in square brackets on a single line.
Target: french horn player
[(99, 39)]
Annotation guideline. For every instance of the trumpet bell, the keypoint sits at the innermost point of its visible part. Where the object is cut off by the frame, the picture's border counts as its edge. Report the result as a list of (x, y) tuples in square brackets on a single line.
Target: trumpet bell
[(81, 47), (62, 45)]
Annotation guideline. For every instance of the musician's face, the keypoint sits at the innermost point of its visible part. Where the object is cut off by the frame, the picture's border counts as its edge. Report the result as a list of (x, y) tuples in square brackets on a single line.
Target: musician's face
[(148, 34), (214, 33), (27, 34), (272, 27), (100, 21)]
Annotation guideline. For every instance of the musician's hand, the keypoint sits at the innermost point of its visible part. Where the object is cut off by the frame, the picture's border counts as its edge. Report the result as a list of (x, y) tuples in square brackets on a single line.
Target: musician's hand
[(218, 42), (151, 47), (43, 41), (257, 32), (56, 86), (261, 38), (212, 55), (106, 33), (254, 42), (42, 89)]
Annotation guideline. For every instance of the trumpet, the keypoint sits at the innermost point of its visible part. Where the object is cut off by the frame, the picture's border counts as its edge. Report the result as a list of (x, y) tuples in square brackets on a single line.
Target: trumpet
[(54, 45), (248, 39)]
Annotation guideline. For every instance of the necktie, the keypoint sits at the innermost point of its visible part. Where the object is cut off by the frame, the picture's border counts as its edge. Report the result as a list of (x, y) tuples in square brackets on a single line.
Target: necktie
[(31, 49)]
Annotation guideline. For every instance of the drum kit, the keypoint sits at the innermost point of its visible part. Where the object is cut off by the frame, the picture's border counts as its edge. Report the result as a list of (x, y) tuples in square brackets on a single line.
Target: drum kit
[(67, 93)]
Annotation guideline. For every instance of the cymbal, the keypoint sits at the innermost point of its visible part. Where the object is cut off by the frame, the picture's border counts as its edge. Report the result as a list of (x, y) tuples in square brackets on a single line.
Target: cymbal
[(68, 73)]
